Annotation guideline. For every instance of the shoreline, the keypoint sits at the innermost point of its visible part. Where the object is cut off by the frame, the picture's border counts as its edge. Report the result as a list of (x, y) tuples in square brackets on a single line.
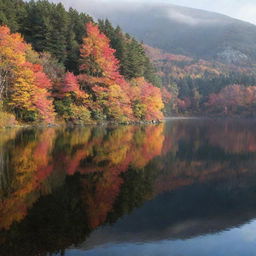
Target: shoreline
[(70, 125), (115, 123)]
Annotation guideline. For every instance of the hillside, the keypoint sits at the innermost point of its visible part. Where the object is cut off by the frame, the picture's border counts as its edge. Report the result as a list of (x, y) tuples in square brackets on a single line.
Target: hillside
[(188, 31), (58, 66), (196, 85), (206, 63)]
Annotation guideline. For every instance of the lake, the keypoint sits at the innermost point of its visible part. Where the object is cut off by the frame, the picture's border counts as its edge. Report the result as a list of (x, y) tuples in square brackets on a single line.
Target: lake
[(184, 187)]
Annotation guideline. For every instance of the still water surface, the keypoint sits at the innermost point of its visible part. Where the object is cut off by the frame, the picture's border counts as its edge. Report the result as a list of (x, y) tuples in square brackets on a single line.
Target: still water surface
[(187, 187)]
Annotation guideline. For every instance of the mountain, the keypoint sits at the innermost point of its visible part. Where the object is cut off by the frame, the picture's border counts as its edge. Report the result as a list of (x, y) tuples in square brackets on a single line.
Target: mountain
[(187, 31)]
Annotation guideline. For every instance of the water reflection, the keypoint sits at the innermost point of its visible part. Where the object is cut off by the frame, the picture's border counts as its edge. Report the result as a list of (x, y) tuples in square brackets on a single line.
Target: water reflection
[(93, 186)]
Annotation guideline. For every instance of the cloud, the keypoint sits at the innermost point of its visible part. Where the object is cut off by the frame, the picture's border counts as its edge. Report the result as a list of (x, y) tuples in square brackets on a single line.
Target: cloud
[(102, 6), (247, 12), (185, 18), (181, 18), (241, 9)]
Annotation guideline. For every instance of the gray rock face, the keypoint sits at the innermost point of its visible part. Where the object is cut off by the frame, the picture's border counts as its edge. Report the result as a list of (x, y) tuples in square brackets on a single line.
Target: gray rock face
[(232, 56)]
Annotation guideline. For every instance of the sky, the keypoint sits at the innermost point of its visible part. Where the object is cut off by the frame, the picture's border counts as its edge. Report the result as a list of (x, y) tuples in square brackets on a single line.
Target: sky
[(240, 9)]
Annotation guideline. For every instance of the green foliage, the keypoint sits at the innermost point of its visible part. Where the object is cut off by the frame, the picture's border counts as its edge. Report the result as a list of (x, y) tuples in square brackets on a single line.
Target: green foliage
[(63, 107), (26, 115), (98, 87), (133, 60), (139, 110), (12, 14), (42, 28), (48, 27), (97, 114), (191, 81), (80, 114)]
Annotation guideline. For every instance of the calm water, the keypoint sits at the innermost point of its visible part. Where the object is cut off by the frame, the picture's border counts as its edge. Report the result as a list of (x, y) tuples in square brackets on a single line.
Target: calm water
[(187, 187)]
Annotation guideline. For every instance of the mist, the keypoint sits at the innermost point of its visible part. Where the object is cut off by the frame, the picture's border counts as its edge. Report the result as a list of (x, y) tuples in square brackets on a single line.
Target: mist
[(244, 10), (101, 9)]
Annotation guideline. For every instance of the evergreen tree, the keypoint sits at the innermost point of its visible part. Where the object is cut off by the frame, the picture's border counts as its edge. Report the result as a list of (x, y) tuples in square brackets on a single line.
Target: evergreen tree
[(134, 62), (12, 13), (76, 33)]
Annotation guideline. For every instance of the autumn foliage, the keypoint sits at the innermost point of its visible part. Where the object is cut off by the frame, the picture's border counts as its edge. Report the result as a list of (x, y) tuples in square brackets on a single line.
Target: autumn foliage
[(24, 87), (100, 162), (98, 58), (233, 99), (29, 89), (112, 97), (146, 99), (37, 162), (193, 82), (100, 76)]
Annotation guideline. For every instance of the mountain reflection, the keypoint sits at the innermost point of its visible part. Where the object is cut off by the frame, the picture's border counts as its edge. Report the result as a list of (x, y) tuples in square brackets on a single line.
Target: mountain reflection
[(169, 181)]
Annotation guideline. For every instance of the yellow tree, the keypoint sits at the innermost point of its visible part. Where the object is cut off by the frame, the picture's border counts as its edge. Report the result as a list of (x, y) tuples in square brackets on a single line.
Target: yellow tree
[(23, 86), (146, 100), (12, 56)]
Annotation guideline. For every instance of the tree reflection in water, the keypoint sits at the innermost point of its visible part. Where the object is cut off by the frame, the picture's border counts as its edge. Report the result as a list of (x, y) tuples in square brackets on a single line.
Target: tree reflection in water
[(185, 178)]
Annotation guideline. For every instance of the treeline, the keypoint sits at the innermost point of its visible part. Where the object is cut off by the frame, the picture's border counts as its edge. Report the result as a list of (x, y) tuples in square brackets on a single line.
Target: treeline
[(72, 73), (191, 85), (50, 28), (234, 90)]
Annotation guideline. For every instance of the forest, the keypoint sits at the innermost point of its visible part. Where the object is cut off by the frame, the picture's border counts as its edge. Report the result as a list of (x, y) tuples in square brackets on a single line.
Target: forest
[(194, 86), (85, 72), (61, 66)]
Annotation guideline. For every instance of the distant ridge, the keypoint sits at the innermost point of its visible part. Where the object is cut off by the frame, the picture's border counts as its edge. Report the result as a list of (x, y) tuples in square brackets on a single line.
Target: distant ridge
[(188, 31)]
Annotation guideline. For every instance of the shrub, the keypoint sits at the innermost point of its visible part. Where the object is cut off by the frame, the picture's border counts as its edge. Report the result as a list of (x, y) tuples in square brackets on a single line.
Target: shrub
[(80, 114), (7, 119)]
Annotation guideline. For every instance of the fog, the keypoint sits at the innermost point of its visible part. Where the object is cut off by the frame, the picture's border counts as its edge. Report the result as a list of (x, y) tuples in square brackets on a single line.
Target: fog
[(113, 8), (101, 8), (240, 9)]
